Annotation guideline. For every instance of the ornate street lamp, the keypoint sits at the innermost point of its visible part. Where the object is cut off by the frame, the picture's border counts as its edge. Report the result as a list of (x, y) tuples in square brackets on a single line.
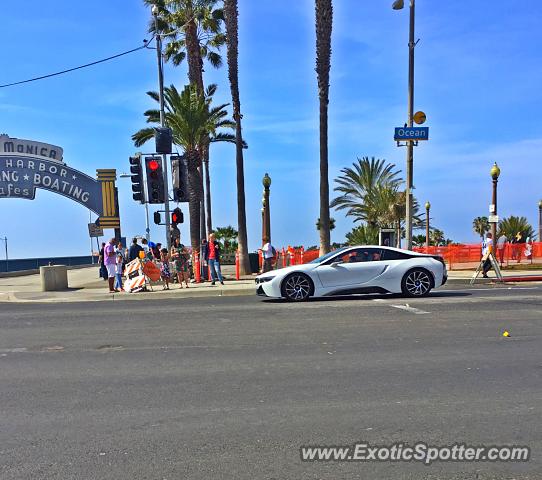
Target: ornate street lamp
[(427, 208), (540, 221), (494, 172), (266, 217)]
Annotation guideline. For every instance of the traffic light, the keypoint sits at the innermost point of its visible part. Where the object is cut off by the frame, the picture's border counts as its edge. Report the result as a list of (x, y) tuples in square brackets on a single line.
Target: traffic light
[(177, 216), (157, 218), (155, 180), (179, 172), (163, 139), (138, 190)]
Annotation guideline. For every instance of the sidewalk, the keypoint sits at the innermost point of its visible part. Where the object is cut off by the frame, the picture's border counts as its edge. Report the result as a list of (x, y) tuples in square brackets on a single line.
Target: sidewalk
[(85, 286), (462, 277)]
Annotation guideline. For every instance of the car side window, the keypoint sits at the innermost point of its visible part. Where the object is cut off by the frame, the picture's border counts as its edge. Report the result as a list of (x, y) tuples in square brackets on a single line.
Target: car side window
[(393, 255), (375, 254), (360, 255)]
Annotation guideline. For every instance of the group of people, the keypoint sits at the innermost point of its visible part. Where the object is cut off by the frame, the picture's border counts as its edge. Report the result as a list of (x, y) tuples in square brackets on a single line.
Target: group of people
[(175, 264), (517, 244), (112, 260)]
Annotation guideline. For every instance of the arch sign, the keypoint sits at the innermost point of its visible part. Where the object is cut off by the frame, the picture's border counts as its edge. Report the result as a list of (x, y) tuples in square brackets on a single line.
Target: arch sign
[(26, 165)]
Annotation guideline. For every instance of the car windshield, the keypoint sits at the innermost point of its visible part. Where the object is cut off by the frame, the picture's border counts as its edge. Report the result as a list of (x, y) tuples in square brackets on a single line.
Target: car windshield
[(327, 256)]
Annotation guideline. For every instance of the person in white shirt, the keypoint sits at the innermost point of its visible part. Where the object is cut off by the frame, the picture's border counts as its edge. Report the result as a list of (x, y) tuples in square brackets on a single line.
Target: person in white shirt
[(487, 249), (501, 245), (269, 253)]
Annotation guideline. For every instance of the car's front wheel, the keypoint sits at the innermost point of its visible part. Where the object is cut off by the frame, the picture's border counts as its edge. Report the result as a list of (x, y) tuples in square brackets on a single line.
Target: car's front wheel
[(297, 287), (417, 283)]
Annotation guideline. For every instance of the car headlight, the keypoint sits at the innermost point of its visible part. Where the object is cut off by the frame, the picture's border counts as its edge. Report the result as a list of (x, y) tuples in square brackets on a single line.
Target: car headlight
[(264, 279)]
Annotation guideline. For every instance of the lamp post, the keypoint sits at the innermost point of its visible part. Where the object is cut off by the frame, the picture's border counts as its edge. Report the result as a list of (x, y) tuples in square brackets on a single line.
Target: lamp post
[(540, 221), (5, 240), (494, 172), (427, 208), (155, 11), (399, 5), (266, 219)]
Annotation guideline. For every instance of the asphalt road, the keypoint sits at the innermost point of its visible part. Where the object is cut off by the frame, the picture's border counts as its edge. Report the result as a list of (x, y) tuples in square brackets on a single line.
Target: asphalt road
[(230, 388)]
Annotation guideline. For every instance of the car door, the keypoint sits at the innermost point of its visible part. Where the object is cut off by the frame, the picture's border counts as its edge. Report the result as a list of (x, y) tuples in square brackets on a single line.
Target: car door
[(356, 267)]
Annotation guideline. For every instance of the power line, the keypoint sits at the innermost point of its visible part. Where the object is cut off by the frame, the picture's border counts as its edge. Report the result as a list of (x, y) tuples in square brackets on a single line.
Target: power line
[(79, 67)]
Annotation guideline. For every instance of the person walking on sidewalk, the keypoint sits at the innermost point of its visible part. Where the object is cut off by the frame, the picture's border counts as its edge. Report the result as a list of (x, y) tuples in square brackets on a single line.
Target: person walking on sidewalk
[(103, 270), (180, 256), (269, 253), (501, 245), (213, 259), (135, 248), (487, 250), (165, 271), (110, 262), (119, 268)]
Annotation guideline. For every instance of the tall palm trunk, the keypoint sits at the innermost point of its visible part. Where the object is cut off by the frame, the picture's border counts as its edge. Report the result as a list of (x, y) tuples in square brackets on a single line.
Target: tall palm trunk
[(324, 24), (195, 76), (194, 194), (208, 209), (231, 15)]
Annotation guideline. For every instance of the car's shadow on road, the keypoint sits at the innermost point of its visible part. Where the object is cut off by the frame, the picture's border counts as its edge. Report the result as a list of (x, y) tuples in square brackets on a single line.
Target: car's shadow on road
[(366, 297)]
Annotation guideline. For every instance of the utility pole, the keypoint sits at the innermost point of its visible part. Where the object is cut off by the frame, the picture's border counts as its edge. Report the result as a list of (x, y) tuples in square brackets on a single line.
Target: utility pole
[(155, 12), (410, 145), (398, 5)]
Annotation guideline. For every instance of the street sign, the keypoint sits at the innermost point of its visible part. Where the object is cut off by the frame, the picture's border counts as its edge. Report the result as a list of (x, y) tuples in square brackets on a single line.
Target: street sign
[(420, 118), (493, 219), (411, 133), (95, 231)]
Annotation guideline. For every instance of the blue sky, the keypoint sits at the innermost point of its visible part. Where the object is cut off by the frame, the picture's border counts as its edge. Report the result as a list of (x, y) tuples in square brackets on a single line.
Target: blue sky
[(478, 77)]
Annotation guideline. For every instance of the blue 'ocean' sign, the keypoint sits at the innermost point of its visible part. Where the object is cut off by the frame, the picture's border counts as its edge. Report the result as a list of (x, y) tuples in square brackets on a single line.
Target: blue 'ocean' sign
[(411, 133)]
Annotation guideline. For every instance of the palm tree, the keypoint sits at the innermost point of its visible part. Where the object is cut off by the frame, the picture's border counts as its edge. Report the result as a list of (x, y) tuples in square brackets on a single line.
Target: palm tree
[(192, 30), (368, 190), (512, 225), (480, 225), (363, 235), (331, 224), (194, 123), (324, 26), (228, 236), (418, 240), (231, 19)]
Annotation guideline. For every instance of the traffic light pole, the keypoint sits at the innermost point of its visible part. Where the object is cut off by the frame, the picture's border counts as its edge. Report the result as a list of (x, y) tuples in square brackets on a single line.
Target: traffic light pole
[(147, 226), (162, 123)]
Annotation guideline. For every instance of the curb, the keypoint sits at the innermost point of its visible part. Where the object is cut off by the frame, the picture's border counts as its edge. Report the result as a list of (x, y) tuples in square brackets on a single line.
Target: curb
[(12, 297)]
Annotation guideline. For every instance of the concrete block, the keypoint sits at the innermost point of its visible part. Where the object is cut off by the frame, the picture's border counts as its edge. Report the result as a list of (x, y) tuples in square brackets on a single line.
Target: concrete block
[(54, 278)]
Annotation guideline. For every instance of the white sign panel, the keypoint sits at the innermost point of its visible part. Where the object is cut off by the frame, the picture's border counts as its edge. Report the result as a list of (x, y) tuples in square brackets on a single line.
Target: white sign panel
[(29, 148)]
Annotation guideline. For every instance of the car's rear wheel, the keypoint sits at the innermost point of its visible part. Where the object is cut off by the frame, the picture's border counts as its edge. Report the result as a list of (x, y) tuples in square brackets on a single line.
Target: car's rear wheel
[(297, 287), (417, 283)]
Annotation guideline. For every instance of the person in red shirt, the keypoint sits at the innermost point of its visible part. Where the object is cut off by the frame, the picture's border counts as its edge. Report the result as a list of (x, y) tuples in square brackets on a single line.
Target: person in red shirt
[(213, 259)]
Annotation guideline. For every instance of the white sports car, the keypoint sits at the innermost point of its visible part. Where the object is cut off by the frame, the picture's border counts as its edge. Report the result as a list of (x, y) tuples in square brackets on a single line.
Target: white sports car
[(354, 270)]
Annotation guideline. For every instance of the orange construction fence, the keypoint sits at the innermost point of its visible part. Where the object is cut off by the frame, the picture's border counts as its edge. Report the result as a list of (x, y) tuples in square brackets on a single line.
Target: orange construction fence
[(456, 256), (463, 255)]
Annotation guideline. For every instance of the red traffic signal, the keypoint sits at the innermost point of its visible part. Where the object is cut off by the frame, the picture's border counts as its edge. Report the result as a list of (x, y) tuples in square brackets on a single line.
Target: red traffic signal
[(177, 216), (156, 190), (153, 165)]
